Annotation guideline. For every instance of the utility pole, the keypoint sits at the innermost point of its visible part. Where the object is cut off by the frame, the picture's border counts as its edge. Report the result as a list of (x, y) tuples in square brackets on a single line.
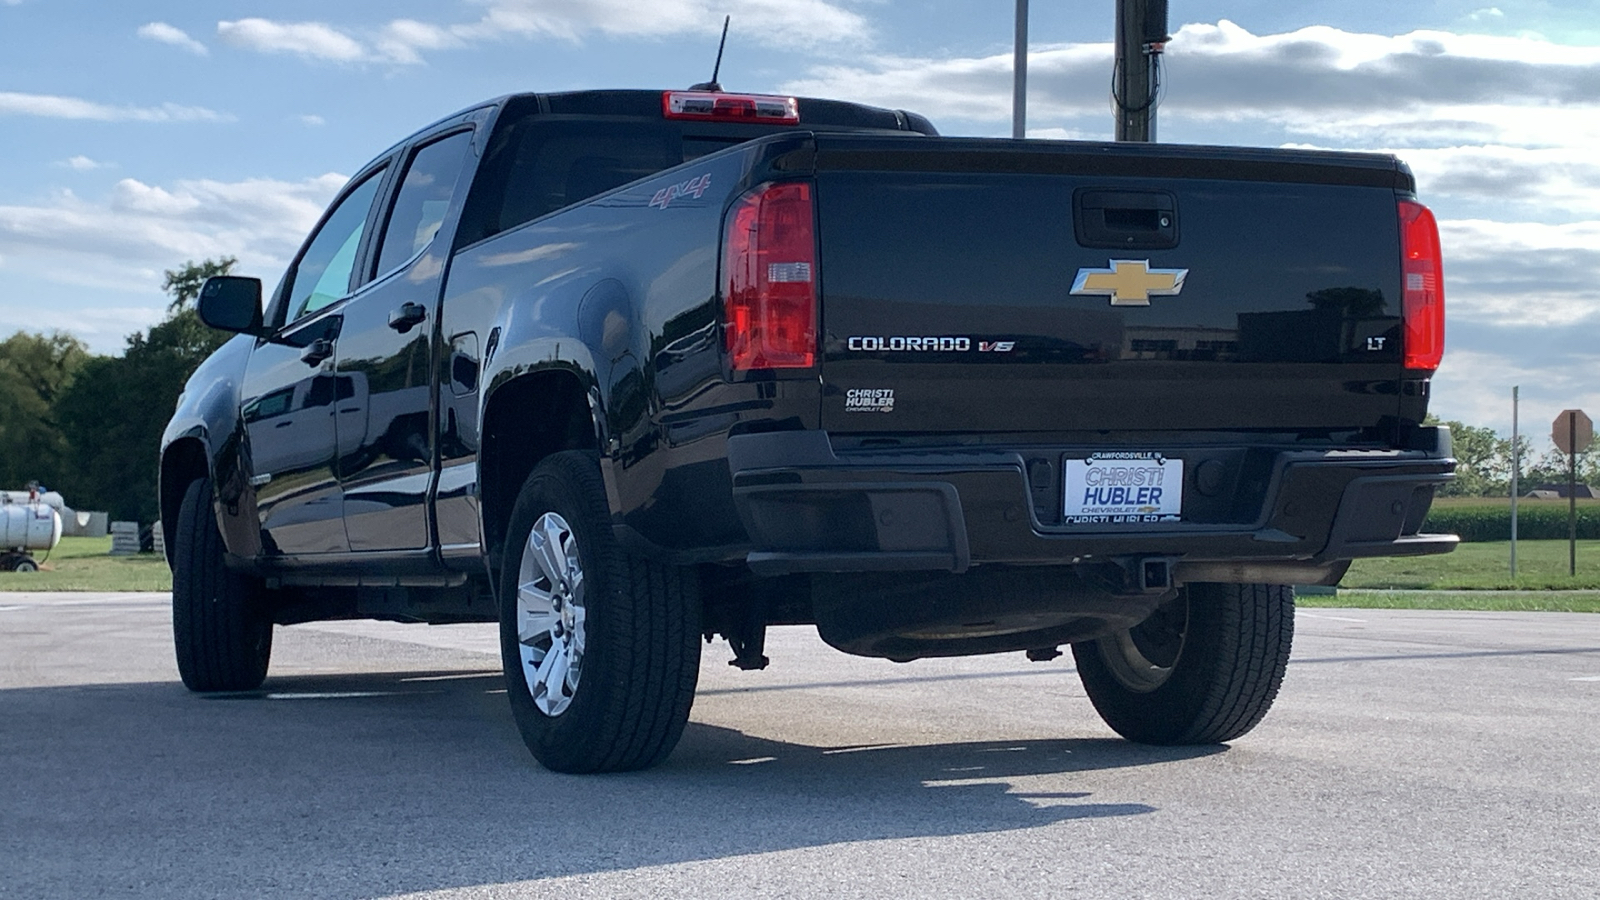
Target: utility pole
[(1136, 72), (1019, 75)]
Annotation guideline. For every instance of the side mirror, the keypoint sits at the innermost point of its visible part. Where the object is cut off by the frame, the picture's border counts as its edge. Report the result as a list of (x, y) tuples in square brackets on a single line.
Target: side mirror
[(232, 303)]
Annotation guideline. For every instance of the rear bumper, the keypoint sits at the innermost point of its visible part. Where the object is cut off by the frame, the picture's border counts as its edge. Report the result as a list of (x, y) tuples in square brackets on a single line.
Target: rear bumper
[(1269, 514)]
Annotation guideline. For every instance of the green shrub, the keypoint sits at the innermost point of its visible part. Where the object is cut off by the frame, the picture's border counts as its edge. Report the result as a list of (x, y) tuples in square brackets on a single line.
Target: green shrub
[(1491, 521)]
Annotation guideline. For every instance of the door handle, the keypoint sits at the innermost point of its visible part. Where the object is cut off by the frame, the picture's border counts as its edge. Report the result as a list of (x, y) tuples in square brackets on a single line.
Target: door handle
[(407, 316), (316, 352)]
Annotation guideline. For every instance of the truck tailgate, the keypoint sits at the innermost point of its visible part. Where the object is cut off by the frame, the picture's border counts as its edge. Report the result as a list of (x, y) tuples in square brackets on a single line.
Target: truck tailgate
[(1215, 288)]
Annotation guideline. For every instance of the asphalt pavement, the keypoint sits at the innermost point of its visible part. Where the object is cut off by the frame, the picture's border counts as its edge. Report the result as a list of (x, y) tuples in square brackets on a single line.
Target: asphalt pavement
[(1411, 754)]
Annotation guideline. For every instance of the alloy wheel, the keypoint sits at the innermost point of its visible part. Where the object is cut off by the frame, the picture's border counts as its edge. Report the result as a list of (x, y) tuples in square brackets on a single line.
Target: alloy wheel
[(550, 614)]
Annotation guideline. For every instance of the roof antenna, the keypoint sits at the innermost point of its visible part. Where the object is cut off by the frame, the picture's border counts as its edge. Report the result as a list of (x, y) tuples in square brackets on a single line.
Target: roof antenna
[(712, 85)]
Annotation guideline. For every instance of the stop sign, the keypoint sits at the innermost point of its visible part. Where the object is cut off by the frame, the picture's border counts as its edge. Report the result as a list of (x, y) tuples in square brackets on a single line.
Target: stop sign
[(1572, 431)]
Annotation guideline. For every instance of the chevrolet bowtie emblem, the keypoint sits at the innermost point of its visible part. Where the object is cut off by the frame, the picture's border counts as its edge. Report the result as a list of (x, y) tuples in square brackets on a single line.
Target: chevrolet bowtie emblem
[(1130, 282)]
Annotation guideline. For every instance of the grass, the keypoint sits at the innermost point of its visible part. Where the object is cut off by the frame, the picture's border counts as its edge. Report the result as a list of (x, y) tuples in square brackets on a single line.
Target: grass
[(85, 564), (1505, 502), (1488, 519), (1498, 601), (1475, 576), (1541, 566)]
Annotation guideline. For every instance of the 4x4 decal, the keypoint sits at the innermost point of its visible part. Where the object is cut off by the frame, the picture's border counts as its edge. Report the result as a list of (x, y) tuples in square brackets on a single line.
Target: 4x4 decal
[(693, 187)]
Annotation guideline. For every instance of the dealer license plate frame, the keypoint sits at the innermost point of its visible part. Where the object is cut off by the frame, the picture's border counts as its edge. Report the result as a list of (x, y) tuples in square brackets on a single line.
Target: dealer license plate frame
[(1122, 483)]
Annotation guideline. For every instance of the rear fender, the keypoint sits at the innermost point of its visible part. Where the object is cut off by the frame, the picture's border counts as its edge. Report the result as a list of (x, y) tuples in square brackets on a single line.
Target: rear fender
[(541, 334)]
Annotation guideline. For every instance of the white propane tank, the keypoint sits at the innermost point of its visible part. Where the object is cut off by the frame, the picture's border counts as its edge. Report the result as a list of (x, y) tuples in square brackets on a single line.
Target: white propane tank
[(51, 499), (29, 526)]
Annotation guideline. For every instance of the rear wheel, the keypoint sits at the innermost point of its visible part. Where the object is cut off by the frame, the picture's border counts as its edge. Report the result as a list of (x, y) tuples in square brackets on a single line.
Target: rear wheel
[(25, 564), (221, 633), (1203, 669), (601, 648)]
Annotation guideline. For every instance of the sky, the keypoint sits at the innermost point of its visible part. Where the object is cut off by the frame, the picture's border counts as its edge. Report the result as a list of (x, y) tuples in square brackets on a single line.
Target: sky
[(136, 136)]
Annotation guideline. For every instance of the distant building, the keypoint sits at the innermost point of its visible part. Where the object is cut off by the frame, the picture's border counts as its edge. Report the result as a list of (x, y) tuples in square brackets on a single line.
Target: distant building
[(1559, 492)]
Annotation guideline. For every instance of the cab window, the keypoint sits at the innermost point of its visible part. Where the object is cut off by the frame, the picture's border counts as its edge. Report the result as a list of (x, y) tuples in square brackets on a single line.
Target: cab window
[(534, 166), (323, 274), (423, 198)]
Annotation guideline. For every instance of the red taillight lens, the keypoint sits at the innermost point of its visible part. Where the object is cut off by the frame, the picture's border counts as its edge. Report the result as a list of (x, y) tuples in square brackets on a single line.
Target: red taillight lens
[(711, 106), (1423, 296), (769, 276)]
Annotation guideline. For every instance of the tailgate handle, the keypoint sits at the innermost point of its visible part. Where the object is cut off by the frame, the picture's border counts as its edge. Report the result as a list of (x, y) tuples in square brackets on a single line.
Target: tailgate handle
[(1125, 220)]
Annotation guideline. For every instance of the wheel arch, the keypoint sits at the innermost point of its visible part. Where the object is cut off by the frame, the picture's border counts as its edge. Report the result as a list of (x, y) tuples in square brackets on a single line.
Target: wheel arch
[(184, 461), (525, 420)]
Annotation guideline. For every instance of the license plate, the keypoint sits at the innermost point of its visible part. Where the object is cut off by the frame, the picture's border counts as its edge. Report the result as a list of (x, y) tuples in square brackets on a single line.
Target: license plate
[(1121, 488)]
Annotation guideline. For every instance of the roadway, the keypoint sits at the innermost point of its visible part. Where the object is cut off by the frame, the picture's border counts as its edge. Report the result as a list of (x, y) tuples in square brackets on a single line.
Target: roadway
[(1411, 754)]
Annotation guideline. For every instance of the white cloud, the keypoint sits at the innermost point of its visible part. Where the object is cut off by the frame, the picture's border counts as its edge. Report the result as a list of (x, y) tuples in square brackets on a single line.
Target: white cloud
[(1522, 273), (401, 40), (1548, 180), (783, 22), (168, 34), (788, 23), (313, 40), (1549, 184), (1426, 88), (311, 120), (1474, 386), (57, 107), (1416, 89), (103, 328), (1522, 309), (83, 164), (1061, 134), (122, 241)]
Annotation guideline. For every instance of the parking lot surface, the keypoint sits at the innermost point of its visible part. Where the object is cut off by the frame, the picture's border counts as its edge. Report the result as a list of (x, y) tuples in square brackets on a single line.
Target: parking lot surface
[(1411, 754)]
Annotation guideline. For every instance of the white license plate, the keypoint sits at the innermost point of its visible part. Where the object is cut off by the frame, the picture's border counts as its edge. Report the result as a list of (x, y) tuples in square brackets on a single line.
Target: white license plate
[(1121, 488)]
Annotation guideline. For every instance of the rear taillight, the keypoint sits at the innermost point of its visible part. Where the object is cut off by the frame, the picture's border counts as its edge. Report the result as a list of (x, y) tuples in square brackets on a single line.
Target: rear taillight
[(719, 107), (769, 269), (1422, 302)]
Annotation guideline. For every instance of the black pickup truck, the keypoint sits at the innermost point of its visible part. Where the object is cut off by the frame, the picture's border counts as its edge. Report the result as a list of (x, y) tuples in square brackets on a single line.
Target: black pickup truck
[(622, 369)]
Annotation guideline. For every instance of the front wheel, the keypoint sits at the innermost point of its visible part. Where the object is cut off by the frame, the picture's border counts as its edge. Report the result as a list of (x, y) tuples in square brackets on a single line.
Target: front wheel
[(601, 648), (1203, 669), (222, 636)]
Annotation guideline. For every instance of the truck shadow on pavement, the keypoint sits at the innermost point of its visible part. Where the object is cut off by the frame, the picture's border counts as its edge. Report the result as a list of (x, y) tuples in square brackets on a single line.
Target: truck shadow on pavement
[(355, 785)]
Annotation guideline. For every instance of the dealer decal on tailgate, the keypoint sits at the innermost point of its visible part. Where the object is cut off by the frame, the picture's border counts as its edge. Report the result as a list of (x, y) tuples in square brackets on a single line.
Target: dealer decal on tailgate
[(1122, 488)]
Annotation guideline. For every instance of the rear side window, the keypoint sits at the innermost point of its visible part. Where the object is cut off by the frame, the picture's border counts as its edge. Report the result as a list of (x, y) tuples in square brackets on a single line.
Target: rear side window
[(538, 165), (323, 274), (424, 197)]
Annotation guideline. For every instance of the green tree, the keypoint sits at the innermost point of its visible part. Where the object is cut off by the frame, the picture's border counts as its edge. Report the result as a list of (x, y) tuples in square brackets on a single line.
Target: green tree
[(116, 409), (35, 370), (1483, 461), (184, 282), (1550, 467)]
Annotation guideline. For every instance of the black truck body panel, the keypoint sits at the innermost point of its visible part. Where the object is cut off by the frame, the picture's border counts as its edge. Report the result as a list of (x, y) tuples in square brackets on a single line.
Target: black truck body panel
[(1275, 377), (1271, 330)]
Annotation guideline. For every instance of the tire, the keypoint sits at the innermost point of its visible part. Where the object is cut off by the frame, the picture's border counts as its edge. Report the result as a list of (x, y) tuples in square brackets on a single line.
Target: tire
[(1203, 669), (603, 677), (25, 564), (221, 633)]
